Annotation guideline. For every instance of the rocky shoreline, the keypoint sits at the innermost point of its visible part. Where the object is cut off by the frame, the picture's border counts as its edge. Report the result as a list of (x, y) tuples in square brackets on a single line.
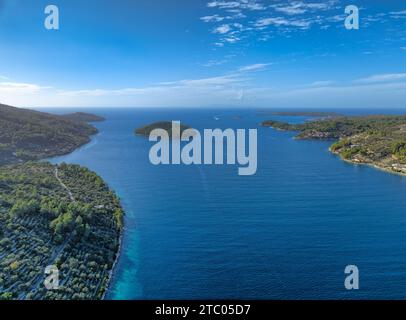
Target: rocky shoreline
[(111, 272), (393, 168)]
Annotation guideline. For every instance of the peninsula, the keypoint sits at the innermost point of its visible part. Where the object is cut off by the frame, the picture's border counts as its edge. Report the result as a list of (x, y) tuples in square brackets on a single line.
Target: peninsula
[(53, 215), (83, 116), (31, 135), (378, 140)]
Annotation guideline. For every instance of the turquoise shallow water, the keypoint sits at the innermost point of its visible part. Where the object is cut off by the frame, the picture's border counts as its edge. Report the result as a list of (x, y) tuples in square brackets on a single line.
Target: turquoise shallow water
[(195, 232)]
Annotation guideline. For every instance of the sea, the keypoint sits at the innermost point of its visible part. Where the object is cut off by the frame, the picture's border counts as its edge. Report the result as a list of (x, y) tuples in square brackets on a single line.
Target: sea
[(287, 232)]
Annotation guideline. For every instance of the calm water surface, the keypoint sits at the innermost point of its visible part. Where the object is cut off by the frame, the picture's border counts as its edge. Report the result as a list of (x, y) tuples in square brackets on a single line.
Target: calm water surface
[(196, 232)]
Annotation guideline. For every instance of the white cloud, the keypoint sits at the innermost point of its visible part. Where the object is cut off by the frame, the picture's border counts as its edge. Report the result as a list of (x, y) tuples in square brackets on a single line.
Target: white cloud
[(223, 82), (231, 39), (388, 77), (252, 6), (254, 67), (234, 88), (213, 81), (321, 6), (292, 9), (300, 7), (279, 21), (290, 18), (336, 18), (225, 28), (223, 4), (240, 4), (231, 33), (323, 83), (213, 18), (20, 88), (398, 14), (403, 12)]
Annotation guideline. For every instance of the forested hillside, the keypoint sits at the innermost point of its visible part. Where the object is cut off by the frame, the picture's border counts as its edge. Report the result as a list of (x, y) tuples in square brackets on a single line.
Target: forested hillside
[(30, 135), (56, 215), (63, 216)]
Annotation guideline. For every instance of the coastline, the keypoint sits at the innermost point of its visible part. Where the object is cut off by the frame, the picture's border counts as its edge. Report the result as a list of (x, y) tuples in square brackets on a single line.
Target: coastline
[(111, 272), (371, 164), (118, 253)]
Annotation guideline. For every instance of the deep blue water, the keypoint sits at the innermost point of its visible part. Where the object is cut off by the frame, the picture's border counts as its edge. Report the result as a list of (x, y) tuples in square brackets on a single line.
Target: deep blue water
[(196, 232)]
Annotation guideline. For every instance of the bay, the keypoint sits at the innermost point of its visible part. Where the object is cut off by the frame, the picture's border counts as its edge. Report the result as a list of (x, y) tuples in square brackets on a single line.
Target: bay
[(288, 232)]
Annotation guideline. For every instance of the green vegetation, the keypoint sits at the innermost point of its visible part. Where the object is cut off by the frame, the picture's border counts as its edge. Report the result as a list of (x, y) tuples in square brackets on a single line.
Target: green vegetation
[(83, 116), (399, 150), (378, 140), (165, 125), (307, 114), (53, 215), (30, 135), (40, 225)]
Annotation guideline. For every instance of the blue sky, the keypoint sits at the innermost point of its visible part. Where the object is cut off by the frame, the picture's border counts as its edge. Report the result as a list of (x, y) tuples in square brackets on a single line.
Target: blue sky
[(195, 53)]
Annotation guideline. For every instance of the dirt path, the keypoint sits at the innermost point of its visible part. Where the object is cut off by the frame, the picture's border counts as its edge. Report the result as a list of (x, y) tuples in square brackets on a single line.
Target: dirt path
[(63, 185)]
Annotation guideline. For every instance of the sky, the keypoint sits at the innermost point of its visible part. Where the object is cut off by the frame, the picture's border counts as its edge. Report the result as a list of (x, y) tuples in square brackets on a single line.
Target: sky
[(203, 53)]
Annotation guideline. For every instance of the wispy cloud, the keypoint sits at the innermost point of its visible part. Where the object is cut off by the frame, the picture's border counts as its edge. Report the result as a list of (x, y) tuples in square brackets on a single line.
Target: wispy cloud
[(256, 16), (111, 92), (240, 4), (212, 81), (20, 88), (388, 77), (224, 4), (300, 7), (213, 63), (403, 12), (225, 28), (399, 15), (232, 80), (280, 21), (254, 67), (234, 88), (213, 18), (321, 83)]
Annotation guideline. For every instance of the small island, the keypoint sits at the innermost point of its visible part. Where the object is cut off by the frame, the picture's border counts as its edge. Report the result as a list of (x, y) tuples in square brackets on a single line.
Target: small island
[(378, 140), (53, 215), (164, 125)]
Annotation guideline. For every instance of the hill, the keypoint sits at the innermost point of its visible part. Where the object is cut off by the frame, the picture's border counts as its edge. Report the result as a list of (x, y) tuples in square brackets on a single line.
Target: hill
[(31, 135)]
